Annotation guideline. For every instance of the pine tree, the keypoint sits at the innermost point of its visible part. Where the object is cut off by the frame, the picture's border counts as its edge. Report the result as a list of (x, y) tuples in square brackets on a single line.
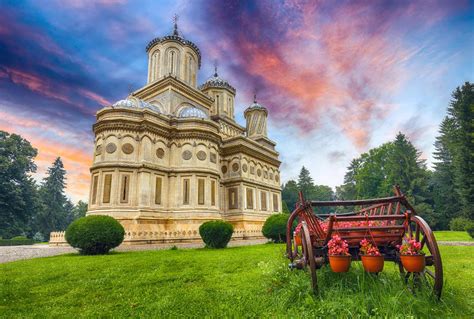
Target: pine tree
[(289, 194), (55, 211), (305, 182), (461, 110), (446, 199)]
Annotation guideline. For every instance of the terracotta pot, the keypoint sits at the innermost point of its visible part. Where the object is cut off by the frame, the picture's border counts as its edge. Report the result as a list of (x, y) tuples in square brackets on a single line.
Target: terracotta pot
[(298, 240), (340, 263), (413, 263), (372, 263)]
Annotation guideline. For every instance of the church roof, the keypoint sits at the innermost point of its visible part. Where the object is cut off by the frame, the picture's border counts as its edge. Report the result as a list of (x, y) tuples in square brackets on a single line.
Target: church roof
[(192, 111), (176, 36), (216, 81), (134, 103), (255, 106)]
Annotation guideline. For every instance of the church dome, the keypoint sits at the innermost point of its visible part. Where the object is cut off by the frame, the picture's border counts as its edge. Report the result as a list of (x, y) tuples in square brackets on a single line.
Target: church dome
[(216, 81), (135, 103), (256, 106), (176, 36), (192, 111)]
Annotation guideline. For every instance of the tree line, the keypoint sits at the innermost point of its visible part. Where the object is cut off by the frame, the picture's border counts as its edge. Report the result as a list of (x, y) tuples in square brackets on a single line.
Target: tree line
[(26, 207), (439, 195)]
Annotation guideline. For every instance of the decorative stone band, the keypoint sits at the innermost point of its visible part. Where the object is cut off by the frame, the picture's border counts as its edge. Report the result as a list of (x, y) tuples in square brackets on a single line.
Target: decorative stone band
[(151, 237), (57, 238)]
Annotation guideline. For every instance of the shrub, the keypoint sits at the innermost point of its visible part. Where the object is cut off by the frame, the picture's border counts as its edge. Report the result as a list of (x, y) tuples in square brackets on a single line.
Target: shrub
[(216, 234), (459, 223), (470, 229), (275, 227), (94, 235), (19, 238)]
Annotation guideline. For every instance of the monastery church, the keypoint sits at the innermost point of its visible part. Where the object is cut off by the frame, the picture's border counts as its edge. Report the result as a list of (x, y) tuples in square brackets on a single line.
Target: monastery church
[(171, 155)]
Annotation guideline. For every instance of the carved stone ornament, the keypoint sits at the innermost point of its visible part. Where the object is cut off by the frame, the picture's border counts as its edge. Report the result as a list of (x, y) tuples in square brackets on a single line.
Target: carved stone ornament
[(224, 169), (201, 155), (252, 170), (265, 174), (271, 176), (213, 158), (98, 150), (127, 148), (244, 168), (277, 179), (187, 155), (259, 172), (160, 153), (111, 148), (235, 167)]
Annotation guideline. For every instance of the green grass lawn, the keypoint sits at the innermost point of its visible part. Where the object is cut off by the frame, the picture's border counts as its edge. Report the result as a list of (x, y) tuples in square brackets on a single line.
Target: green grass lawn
[(448, 235), (235, 282)]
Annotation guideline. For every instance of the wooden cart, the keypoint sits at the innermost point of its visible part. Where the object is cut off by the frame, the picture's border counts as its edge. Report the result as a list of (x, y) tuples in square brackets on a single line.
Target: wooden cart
[(387, 219)]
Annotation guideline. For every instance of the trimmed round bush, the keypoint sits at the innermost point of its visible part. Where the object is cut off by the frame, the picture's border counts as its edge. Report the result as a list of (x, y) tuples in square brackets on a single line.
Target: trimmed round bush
[(95, 235), (470, 229), (275, 227), (216, 234), (459, 223)]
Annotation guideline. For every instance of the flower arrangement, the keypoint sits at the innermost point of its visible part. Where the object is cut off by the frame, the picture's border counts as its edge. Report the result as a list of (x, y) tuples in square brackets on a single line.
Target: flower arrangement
[(410, 247), (367, 249), (338, 246)]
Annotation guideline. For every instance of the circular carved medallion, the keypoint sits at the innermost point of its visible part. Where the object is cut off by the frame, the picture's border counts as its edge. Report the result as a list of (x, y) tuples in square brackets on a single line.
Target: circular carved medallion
[(201, 155), (235, 167), (224, 169), (244, 168), (98, 150), (127, 148), (160, 153), (111, 148), (259, 172), (187, 155)]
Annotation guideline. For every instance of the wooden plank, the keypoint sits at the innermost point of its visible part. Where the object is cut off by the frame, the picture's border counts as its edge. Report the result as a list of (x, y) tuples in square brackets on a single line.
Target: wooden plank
[(357, 202)]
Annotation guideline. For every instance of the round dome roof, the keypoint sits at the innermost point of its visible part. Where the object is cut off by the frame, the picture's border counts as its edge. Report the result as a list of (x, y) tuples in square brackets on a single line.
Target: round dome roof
[(256, 106), (216, 81), (192, 111), (176, 36), (133, 102)]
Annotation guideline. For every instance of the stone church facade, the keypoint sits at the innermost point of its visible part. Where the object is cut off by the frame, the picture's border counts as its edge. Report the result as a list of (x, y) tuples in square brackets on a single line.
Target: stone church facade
[(171, 155)]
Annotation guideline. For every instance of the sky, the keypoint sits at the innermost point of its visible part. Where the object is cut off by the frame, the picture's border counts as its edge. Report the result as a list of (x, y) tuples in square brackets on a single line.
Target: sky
[(338, 77)]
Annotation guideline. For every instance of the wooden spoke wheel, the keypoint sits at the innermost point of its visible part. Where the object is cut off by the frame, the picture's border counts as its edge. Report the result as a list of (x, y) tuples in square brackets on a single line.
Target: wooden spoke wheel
[(432, 275), (308, 255)]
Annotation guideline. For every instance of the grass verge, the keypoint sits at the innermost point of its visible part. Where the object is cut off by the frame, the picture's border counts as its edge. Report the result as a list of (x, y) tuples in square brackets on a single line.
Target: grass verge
[(448, 235), (235, 282)]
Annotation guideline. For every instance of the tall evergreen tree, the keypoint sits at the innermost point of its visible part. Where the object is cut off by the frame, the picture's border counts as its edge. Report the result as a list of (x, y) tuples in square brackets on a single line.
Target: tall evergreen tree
[(55, 212), (445, 197), (305, 182), (18, 200), (461, 110)]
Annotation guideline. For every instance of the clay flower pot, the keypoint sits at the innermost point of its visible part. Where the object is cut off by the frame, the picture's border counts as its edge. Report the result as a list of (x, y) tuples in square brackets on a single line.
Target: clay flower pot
[(413, 263), (372, 264), (339, 263), (298, 240)]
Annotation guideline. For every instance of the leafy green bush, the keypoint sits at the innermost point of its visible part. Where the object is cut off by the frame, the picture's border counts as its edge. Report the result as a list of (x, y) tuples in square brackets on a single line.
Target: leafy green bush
[(470, 229), (459, 223), (216, 234), (16, 242), (275, 227), (19, 238), (94, 235)]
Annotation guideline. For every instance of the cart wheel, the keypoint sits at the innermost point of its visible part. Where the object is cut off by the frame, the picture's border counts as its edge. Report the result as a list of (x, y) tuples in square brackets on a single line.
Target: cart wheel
[(433, 274), (309, 256)]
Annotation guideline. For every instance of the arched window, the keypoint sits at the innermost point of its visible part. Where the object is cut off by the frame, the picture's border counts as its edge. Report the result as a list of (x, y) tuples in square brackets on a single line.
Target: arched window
[(172, 61), (155, 64)]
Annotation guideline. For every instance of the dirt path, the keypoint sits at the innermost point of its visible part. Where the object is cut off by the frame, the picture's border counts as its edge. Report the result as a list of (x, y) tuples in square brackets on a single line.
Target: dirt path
[(12, 253)]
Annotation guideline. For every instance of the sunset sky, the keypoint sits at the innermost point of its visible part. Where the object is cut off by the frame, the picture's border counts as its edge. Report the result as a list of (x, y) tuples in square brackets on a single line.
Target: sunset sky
[(338, 77)]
